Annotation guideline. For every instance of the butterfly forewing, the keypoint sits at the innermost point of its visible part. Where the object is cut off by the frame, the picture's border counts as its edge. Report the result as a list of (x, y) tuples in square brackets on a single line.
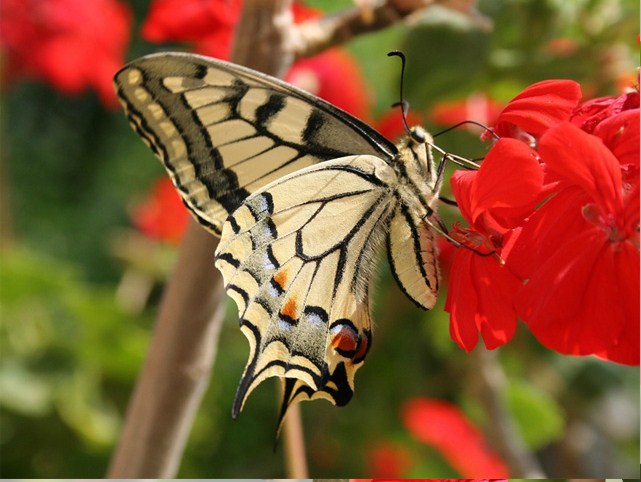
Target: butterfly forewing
[(224, 131)]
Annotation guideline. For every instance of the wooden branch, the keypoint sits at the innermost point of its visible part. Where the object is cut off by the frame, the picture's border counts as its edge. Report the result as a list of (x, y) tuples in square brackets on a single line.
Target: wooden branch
[(178, 365), (314, 36), (489, 380), (263, 36)]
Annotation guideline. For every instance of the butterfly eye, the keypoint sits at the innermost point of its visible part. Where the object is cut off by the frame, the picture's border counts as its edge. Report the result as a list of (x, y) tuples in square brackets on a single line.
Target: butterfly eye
[(418, 135)]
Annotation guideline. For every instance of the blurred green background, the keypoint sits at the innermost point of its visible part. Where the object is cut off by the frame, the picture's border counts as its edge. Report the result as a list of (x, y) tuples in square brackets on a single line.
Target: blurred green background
[(72, 338)]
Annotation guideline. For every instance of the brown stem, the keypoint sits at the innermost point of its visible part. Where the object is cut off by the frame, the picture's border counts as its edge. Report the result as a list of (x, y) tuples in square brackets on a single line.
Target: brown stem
[(264, 36), (294, 442), (489, 380), (178, 365)]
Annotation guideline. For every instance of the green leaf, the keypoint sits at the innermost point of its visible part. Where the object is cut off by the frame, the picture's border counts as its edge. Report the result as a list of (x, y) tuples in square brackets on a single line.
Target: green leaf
[(538, 416)]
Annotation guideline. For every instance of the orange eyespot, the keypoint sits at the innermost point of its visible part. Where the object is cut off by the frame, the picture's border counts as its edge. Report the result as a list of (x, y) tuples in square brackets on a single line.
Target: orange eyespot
[(281, 278), (289, 309), (345, 341), (362, 350)]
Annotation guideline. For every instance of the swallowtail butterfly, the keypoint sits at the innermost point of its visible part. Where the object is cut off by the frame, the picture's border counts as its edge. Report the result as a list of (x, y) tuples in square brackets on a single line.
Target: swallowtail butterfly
[(302, 195)]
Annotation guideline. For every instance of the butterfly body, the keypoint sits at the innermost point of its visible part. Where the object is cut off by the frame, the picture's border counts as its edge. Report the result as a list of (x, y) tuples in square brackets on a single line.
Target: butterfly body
[(303, 196)]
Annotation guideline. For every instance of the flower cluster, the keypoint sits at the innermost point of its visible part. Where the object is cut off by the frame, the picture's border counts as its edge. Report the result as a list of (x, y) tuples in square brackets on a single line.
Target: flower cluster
[(553, 227), (71, 44)]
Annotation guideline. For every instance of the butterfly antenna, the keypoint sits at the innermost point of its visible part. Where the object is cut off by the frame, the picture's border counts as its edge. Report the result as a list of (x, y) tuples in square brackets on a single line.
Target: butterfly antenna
[(482, 126), (402, 102)]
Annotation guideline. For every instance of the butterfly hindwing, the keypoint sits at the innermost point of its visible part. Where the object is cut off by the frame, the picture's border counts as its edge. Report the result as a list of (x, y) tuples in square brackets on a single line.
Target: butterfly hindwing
[(413, 258), (297, 257), (224, 131)]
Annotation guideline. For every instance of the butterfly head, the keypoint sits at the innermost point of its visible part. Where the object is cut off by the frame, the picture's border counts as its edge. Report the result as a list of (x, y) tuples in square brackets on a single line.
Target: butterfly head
[(416, 154)]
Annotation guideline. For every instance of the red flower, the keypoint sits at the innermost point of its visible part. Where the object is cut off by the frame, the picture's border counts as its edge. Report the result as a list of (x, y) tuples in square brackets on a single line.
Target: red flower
[(388, 460), (209, 24), (476, 107), (444, 427), (580, 253), (162, 215), (72, 44), (494, 200), (536, 109)]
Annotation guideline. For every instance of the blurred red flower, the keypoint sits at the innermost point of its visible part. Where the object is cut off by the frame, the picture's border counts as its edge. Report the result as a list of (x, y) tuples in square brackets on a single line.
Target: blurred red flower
[(476, 107), (441, 425), (391, 124), (209, 24), (71, 44), (388, 460), (162, 215), (494, 201)]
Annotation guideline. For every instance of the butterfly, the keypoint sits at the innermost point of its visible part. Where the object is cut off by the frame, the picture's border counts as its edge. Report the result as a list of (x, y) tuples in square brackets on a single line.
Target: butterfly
[(303, 196)]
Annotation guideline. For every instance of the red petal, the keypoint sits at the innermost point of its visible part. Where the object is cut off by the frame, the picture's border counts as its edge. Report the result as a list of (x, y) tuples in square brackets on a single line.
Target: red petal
[(217, 45), (590, 114), (626, 348), (620, 133), (462, 183), (443, 426), (462, 300), (548, 228), (496, 316), (582, 159), (509, 177), (539, 107), (479, 298), (585, 296)]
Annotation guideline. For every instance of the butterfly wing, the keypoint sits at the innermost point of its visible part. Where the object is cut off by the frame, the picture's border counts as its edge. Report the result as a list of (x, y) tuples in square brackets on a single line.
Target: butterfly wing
[(297, 257), (412, 255), (224, 131)]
